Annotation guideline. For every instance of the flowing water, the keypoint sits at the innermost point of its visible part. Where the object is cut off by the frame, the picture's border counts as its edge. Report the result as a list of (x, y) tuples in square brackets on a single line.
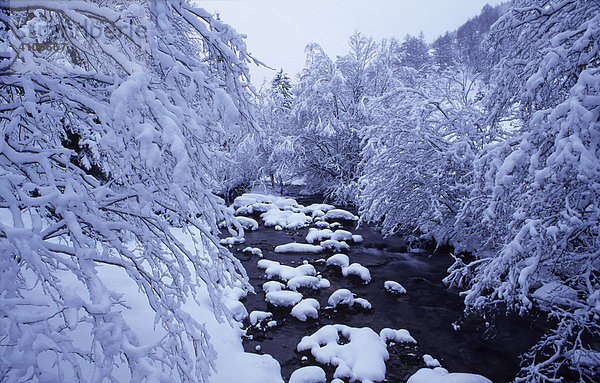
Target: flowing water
[(431, 313)]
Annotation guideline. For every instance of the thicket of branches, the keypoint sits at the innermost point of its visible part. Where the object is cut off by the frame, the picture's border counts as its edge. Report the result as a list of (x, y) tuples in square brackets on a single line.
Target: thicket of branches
[(113, 115), (488, 140)]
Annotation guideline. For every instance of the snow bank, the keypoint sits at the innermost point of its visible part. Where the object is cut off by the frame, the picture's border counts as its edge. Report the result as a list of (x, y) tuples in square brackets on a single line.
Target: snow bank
[(362, 358), (308, 374), (298, 248), (394, 287), (306, 308), (441, 375)]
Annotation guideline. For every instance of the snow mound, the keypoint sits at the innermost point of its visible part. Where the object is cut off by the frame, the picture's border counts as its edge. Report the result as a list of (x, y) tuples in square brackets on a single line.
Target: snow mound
[(322, 225), (253, 250), (283, 298), (340, 214), (358, 270), (332, 244), (272, 286), (357, 238), (308, 374), (229, 241), (341, 297), (298, 248), (247, 223), (441, 375), (554, 293), (257, 317), (340, 260), (396, 336), (285, 219), (394, 287), (316, 235), (361, 358), (307, 281), (306, 308), (430, 361), (362, 302), (310, 209), (285, 273)]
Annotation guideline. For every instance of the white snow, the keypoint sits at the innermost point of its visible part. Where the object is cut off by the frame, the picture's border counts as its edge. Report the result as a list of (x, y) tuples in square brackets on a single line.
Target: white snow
[(307, 281), (316, 207), (441, 375), (285, 219), (430, 361), (341, 297), (246, 222), (362, 358), (365, 304), (283, 298), (358, 270), (298, 248), (340, 214), (394, 287), (232, 241), (340, 260), (272, 286), (283, 272), (357, 238), (258, 316), (316, 235), (397, 336), (253, 250), (306, 308), (332, 244), (308, 374)]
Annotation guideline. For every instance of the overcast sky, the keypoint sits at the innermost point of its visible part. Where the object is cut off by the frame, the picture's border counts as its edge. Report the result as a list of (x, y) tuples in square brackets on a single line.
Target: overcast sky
[(278, 30)]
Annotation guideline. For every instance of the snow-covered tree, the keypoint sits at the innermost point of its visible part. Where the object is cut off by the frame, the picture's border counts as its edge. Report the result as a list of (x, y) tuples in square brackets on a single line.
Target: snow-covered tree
[(150, 90), (417, 157), (535, 209)]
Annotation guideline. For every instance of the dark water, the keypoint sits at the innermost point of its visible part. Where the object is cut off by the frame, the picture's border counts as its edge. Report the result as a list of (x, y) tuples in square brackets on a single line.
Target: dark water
[(428, 310)]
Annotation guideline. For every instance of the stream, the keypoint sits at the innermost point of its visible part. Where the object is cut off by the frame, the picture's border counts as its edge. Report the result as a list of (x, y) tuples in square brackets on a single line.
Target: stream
[(431, 312)]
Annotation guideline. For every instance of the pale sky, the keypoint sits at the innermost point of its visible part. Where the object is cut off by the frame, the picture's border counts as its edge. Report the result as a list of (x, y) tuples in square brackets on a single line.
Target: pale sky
[(278, 30)]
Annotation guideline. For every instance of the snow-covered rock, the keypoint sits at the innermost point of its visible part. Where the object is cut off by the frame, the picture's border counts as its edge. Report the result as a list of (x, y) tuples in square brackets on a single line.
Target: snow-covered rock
[(232, 241), (430, 361), (358, 270), (246, 222), (316, 235), (257, 317), (357, 238), (308, 374), (307, 281), (362, 302), (394, 287), (341, 297), (340, 260), (340, 214), (253, 250), (283, 272), (298, 248), (396, 336), (272, 286), (332, 244), (306, 308), (283, 298), (441, 375), (285, 219), (362, 358)]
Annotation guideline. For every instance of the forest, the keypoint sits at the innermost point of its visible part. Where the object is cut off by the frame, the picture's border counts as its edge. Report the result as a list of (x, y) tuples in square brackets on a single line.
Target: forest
[(128, 127)]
